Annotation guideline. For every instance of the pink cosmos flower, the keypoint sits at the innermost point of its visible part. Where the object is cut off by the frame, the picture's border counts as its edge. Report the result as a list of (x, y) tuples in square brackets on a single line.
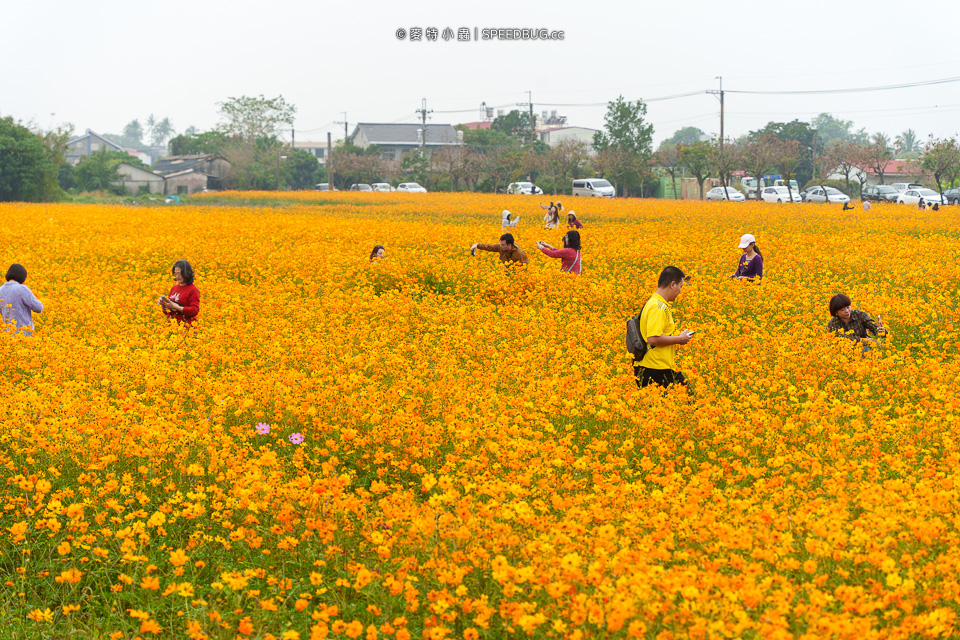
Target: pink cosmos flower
[(296, 438), (263, 428)]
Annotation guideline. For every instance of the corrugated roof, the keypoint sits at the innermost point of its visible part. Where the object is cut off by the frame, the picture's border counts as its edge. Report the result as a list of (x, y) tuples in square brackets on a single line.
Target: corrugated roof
[(406, 133), (179, 163)]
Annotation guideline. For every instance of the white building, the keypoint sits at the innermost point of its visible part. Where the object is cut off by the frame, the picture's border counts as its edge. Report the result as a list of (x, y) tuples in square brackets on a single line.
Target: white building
[(556, 135)]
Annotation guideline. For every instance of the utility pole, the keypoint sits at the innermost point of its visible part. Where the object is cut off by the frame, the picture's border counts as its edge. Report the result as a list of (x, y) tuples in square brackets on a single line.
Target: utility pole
[(344, 123), (423, 126), (293, 139), (529, 104), (723, 178), (329, 163), (720, 93)]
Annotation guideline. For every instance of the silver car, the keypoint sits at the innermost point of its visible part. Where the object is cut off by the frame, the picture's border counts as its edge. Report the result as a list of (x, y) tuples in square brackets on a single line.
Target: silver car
[(717, 193), (832, 195)]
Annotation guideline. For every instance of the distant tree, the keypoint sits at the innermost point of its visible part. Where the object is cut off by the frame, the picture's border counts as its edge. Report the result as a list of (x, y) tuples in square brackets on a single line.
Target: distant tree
[(807, 139), (907, 143), (458, 162), (190, 131), (516, 124), (696, 158), (788, 157), (626, 141), (500, 165), (256, 117), (151, 123), (845, 157), (667, 157), (942, 159), (759, 155), (415, 168), (133, 134), (301, 169), (724, 159), (566, 160), (98, 171), (483, 140), (28, 170), (687, 135), (162, 130), (878, 153), (207, 142), (831, 130)]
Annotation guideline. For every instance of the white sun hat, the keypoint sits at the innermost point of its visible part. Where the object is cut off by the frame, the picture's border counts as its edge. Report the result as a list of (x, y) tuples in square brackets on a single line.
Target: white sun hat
[(745, 240)]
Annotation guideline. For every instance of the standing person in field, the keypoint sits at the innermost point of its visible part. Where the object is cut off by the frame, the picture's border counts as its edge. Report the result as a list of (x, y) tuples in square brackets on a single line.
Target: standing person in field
[(510, 253), (552, 218), (572, 221), (569, 255), (507, 220), (183, 303), (751, 262), (657, 329), (17, 302)]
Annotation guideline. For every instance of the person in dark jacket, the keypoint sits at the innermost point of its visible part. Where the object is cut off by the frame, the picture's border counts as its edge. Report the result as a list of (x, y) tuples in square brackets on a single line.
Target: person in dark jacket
[(853, 323)]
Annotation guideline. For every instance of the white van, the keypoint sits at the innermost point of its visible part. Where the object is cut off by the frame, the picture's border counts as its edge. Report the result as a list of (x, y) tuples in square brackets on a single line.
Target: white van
[(593, 188)]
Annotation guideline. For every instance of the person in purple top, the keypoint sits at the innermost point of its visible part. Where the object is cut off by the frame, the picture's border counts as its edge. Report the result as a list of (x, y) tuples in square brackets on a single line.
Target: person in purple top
[(751, 262), (17, 301)]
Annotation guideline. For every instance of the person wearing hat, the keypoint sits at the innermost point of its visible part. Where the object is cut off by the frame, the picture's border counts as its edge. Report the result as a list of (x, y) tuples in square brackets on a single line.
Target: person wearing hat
[(505, 219), (751, 262), (572, 221)]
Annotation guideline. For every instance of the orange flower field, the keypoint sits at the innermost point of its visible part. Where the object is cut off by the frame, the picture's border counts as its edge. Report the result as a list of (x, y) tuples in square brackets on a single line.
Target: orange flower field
[(476, 460)]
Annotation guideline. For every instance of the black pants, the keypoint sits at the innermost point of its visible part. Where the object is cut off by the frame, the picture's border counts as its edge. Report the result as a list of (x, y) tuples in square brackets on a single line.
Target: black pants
[(662, 377)]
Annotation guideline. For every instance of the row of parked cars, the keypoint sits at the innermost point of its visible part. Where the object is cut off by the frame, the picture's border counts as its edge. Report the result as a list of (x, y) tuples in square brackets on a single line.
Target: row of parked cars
[(407, 187), (899, 192)]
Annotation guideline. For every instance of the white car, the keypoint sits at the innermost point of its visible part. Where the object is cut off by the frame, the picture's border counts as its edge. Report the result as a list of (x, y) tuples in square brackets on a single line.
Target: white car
[(524, 189), (913, 196), (832, 195), (779, 195), (382, 186), (410, 187), (717, 193), (905, 186)]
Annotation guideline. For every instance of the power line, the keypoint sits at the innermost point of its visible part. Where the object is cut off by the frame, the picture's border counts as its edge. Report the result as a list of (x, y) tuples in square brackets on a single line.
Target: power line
[(905, 85), (603, 104)]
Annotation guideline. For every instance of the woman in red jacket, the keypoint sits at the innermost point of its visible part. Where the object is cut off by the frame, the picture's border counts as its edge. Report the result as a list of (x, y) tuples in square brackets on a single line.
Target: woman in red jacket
[(569, 255), (183, 303)]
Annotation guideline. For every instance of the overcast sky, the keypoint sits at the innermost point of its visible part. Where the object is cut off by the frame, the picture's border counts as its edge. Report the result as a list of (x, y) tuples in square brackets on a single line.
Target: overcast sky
[(100, 64)]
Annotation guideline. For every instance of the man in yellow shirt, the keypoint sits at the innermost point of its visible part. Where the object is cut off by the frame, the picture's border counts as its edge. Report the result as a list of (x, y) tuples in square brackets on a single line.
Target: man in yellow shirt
[(657, 327)]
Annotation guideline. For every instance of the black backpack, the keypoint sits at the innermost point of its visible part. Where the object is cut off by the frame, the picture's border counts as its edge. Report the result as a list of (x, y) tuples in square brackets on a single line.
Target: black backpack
[(635, 343)]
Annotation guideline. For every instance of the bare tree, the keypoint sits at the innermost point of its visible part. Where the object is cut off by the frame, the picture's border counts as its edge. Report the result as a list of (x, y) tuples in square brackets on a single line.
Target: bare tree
[(942, 159), (566, 158), (667, 157), (614, 164), (787, 159), (845, 156), (878, 153), (758, 156), (696, 157), (725, 158)]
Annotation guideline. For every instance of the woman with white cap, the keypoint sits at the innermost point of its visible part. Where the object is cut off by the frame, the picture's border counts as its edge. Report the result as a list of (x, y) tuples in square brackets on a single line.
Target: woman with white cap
[(751, 262), (505, 219)]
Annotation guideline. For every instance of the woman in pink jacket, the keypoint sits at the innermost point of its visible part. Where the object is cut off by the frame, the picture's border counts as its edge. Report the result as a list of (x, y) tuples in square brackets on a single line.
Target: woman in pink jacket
[(569, 255)]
